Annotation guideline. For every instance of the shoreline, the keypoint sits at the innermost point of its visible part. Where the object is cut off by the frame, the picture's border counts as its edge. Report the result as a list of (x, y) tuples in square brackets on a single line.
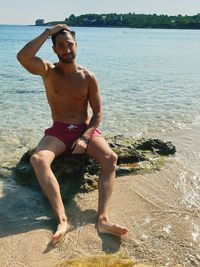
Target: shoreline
[(108, 27)]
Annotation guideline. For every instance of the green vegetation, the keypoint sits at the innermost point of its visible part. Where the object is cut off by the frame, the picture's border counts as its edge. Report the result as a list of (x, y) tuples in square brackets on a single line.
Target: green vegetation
[(132, 20), (103, 261)]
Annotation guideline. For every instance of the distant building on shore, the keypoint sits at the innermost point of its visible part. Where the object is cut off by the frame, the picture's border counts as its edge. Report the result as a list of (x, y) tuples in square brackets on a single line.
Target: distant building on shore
[(39, 22)]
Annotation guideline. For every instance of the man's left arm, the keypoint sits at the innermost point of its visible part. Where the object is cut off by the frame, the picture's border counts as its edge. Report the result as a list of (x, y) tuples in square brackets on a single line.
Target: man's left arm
[(94, 100)]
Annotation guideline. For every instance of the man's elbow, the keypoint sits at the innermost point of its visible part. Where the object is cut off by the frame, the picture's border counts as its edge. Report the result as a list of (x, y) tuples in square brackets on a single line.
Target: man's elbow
[(20, 57)]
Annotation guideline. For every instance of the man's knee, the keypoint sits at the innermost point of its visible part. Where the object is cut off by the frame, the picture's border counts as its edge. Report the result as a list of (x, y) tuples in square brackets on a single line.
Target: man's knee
[(38, 160), (114, 158), (110, 159)]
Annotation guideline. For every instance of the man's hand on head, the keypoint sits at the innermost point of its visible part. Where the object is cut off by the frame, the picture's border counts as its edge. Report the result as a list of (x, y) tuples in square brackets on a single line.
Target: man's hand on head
[(57, 28)]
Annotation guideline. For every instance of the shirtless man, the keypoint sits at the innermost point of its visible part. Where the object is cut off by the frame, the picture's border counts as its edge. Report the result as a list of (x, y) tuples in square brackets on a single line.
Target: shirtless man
[(69, 89)]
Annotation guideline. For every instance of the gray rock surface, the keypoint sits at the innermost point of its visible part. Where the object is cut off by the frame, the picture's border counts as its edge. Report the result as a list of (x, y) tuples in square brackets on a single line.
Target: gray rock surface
[(79, 173)]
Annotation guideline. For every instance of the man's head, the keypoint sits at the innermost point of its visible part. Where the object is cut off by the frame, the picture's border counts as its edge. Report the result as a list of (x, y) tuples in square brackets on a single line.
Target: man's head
[(65, 46)]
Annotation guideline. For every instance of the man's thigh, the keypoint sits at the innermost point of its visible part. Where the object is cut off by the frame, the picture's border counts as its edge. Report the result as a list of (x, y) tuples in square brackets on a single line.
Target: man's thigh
[(51, 146), (98, 149)]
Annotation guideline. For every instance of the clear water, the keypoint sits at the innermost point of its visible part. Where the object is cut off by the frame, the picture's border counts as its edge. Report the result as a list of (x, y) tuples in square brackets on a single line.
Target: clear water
[(149, 79)]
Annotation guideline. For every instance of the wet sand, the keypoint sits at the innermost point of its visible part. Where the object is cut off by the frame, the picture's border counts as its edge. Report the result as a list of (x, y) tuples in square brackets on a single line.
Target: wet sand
[(161, 210)]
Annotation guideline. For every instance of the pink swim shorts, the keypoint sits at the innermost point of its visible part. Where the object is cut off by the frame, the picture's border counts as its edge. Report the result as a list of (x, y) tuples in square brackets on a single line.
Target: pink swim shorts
[(68, 133)]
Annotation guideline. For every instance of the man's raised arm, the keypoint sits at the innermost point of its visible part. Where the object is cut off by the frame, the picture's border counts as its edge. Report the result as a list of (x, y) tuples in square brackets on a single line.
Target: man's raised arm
[(27, 55)]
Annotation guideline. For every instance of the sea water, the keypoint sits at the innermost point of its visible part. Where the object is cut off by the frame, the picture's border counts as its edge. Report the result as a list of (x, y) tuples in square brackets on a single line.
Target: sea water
[(148, 78)]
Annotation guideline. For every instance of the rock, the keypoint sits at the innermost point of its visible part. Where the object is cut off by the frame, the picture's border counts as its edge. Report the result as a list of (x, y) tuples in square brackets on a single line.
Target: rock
[(79, 173), (157, 146)]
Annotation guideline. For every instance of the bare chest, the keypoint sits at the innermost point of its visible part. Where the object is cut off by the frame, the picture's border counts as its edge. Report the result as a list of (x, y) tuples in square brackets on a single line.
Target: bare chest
[(73, 87)]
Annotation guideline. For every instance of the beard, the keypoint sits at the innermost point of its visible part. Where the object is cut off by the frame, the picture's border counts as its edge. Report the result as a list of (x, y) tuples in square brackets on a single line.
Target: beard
[(67, 60)]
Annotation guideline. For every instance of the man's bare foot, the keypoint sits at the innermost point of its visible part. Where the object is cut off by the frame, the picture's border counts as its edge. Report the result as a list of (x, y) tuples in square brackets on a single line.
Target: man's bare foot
[(105, 227), (62, 229)]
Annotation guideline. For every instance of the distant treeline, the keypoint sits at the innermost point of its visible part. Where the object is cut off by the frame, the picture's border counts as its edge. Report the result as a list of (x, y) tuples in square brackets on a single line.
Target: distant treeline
[(133, 20)]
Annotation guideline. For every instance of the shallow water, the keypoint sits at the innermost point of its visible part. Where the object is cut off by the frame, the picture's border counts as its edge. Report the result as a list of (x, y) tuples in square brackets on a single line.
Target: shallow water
[(148, 78)]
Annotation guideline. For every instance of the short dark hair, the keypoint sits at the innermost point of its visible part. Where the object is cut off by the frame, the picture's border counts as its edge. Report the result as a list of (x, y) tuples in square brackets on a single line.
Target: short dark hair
[(53, 37)]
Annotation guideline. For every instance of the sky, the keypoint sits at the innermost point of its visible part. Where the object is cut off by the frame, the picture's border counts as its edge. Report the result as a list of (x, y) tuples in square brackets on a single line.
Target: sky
[(26, 12)]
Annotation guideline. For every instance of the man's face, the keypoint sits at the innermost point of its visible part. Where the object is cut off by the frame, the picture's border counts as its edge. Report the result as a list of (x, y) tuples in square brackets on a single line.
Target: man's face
[(65, 48)]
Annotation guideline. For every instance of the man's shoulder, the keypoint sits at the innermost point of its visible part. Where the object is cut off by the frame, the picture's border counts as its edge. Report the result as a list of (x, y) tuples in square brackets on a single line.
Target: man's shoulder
[(90, 77), (88, 73), (50, 64)]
